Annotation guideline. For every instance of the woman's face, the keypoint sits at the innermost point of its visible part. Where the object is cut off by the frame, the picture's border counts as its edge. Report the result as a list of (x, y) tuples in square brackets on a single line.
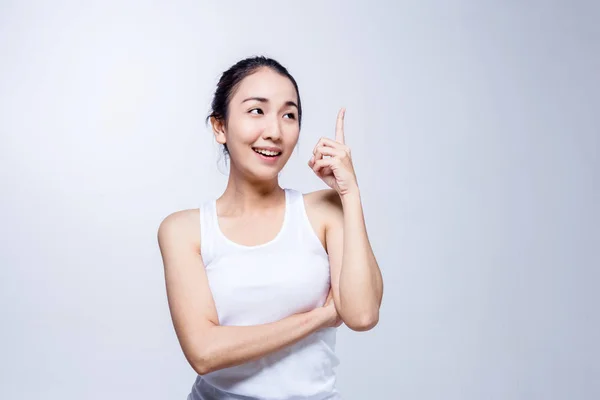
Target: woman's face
[(263, 118)]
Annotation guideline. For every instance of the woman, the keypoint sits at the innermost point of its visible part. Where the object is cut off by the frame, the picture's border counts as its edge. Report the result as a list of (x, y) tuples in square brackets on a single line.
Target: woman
[(258, 279)]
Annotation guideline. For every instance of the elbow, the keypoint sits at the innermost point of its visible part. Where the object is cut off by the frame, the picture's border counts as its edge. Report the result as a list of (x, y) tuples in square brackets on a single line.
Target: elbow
[(364, 322), (201, 369), (202, 364)]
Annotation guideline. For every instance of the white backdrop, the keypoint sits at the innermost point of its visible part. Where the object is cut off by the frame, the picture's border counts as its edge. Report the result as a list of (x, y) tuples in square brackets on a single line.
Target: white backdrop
[(475, 135)]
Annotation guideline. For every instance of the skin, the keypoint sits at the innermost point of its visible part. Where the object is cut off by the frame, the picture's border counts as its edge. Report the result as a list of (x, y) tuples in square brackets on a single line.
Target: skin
[(251, 212)]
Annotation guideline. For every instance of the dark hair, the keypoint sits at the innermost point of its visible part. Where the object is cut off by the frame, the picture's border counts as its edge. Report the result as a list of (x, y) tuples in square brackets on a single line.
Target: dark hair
[(230, 80)]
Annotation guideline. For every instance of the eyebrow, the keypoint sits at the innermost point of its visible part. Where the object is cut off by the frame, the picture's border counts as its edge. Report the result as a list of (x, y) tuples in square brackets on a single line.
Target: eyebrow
[(265, 100)]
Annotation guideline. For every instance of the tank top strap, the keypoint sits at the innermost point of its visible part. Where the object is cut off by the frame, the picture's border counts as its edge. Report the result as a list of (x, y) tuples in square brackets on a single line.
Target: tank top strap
[(301, 230), (295, 210), (208, 223)]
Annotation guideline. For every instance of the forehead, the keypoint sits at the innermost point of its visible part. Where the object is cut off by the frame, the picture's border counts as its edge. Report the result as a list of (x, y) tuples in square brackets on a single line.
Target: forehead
[(266, 83)]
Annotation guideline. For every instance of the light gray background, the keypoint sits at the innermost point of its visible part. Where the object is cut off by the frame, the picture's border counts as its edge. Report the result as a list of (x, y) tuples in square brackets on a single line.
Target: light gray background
[(475, 135)]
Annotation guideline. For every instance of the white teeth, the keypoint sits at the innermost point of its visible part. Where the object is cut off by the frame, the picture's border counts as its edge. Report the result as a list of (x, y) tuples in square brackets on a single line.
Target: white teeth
[(266, 152)]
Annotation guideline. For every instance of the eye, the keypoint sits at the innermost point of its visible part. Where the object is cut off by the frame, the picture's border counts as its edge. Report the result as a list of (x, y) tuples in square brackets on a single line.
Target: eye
[(290, 115), (259, 111)]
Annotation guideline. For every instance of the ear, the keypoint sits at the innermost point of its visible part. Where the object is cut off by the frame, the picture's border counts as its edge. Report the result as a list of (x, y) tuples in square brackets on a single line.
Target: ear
[(218, 127)]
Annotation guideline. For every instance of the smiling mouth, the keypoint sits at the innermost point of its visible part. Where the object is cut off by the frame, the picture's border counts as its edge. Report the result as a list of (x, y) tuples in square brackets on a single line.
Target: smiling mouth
[(267, 153)]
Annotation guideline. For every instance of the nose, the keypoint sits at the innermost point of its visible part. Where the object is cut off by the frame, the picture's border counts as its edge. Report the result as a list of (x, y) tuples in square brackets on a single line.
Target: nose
[(272, 130)]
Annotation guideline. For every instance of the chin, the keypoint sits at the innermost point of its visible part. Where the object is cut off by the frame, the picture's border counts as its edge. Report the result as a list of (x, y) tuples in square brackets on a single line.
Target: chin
[(261, 174), (267, 176)]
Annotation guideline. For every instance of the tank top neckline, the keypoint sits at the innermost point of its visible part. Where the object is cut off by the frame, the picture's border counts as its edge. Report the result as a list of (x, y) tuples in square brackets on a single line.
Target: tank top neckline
[(217, 227)]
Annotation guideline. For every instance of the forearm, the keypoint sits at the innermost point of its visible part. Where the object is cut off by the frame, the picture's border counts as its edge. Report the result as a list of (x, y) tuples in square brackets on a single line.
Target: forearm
[(360, 283), (228, 346)]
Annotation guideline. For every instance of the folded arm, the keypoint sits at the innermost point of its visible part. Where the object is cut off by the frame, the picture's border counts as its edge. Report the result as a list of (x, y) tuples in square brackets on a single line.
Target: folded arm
[(206, 345)]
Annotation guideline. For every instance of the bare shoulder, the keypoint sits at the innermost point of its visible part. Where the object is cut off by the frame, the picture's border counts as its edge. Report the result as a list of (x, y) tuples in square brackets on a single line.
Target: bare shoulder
[(181, 226), (325, 204), (324, 198)]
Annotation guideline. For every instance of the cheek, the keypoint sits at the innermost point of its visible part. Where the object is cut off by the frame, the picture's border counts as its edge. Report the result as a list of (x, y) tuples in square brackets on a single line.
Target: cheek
[(291, 133), (245, 132)]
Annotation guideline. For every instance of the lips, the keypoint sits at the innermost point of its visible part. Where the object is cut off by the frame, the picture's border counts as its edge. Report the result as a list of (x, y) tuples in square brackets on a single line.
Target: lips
[(268, 149), (268, 158)]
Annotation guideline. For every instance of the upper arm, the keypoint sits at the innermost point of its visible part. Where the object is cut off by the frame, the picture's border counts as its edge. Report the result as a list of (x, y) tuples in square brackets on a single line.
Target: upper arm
[(334, 236), (190, 300)]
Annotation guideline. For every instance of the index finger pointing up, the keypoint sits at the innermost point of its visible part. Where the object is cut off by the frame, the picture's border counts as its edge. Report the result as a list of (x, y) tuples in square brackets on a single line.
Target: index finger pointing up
[(339, 126)]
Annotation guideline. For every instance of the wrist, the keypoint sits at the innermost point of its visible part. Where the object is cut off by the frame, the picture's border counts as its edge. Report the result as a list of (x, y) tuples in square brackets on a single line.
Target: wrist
[(351, 197), (320, 317)]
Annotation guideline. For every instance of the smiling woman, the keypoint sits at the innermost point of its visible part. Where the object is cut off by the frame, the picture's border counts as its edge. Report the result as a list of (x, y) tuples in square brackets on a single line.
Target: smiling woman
[(258, 279), (257, 107)]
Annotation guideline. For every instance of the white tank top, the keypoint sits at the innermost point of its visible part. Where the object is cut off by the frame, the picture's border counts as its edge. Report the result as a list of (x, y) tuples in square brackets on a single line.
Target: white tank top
[(254, 285)]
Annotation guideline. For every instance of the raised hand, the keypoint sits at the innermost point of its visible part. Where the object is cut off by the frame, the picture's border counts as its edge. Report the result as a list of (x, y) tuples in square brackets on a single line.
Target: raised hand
[(332, 162)]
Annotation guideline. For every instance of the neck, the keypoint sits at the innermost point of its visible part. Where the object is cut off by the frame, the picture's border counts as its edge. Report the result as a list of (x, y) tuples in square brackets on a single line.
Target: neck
[(242, 196)]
